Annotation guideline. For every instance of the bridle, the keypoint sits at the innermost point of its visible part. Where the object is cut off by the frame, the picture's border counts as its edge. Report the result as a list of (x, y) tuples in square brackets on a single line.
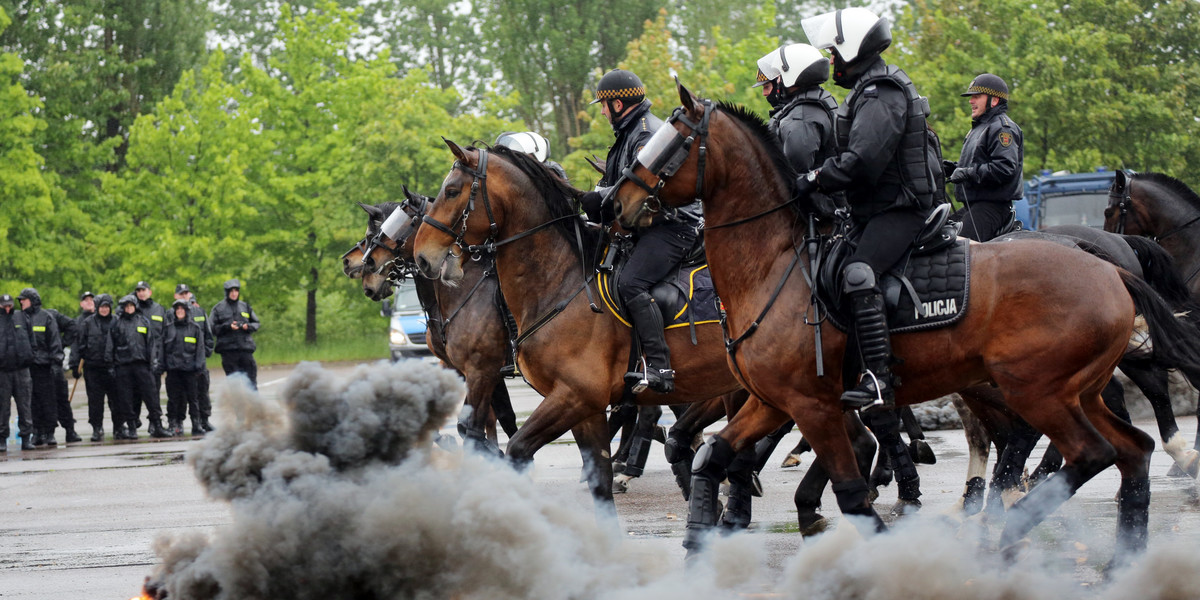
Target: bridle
[(396, 269), (1125, 204), (667, 162)]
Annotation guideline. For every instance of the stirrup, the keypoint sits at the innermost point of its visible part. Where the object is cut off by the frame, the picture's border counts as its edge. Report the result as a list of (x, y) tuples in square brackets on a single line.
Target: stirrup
[(640, 381), (862, 404)]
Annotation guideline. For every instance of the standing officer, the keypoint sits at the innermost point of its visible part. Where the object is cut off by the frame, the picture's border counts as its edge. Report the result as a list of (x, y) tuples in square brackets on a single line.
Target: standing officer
[(156, 314), (91, 359), (15, 352), (988, 175), (183, 292), (233, 324), (182, 357), (67, 331), (47, 352), (134, 352), (658, 247)]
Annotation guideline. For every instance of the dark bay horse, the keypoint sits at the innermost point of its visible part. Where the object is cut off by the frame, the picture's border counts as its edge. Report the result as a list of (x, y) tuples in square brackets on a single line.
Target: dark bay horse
[(576, 357), (1167, 211), (1027, 331), (465, 324)]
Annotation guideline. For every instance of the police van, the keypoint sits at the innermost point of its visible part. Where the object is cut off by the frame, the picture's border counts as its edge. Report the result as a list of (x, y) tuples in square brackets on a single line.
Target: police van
[(407, 329), (1065, 198)]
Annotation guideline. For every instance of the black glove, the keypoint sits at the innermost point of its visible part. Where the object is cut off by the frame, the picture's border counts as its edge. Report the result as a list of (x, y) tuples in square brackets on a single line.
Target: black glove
[(961, 174), (590, 201), (948, 167), (806, 184), (75, 372)]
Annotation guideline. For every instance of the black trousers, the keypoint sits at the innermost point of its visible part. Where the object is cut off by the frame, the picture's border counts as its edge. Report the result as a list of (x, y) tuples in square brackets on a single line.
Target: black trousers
[(658, 251), (44, 401), (135, 387), (885, 237), (101, 383), (982, 220), (202, 383), (16, 385), (62, 398), (182, 395), (240, 361)]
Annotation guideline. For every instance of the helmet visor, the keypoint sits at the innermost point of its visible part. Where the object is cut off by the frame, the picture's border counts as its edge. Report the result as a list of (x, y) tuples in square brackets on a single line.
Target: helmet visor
[(821, 30)]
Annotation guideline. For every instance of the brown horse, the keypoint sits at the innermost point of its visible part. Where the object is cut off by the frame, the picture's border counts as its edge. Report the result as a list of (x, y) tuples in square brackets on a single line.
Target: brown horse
[(1026, 331), (572, 354), (465, 323)]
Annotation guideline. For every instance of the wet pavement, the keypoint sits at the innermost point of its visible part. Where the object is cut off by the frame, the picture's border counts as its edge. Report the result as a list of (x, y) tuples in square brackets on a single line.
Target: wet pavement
[(79, 520)]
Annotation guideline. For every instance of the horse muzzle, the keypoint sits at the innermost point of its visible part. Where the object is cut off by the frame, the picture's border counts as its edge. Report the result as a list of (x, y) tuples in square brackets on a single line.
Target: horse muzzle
[(439, 265)]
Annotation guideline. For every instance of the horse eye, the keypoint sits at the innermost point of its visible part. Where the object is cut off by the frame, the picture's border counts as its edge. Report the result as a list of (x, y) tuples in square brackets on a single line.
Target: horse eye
[(452, 192)]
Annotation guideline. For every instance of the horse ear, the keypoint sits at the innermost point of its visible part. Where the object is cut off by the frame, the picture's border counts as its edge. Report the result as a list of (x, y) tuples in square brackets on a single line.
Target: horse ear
[(369, 209), (1119, 180), (687, 99), (407, 194), (459, 153)]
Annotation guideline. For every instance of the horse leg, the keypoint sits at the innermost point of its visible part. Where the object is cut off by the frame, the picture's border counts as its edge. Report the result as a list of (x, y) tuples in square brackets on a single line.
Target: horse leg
[(678, 447), (503, 409), (812, 486), (1010, 467), (918, 448), (639, 447), (590, 435), (1153, 381), (713, 459), (886, 426), (979, 443), (765, 446), (476, 415), (1133, 448), (793, 458), (623, 419)]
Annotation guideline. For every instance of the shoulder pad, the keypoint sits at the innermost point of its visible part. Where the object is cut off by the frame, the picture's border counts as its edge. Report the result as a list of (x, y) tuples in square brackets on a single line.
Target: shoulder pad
[(871, 91)]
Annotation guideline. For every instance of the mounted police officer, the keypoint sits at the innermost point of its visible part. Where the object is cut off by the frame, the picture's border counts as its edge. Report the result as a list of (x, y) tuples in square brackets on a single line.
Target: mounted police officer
[(802, 112), (882, 167), (661, 245), (533, 144), (988, 175)]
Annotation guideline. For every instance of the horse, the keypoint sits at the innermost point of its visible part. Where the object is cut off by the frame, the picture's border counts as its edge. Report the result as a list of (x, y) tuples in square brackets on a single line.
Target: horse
[(569, 350), (1167, 211), (1024, 295), (476, 346)]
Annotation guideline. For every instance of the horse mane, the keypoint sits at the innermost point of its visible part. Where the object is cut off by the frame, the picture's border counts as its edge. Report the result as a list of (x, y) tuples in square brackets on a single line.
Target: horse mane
[(757, 126), (559, 198), (1173, 185)]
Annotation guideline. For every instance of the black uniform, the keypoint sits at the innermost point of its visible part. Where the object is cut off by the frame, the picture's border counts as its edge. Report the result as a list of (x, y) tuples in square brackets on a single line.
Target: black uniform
[(67, 330), (44, 367), (183, 358), (91, 357), (804, 126), (992, 158), (202, 379), (236, 346), (15, 352), (134, 351)]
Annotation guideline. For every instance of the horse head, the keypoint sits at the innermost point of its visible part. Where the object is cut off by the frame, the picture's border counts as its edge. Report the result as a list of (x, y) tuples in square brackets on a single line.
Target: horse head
[(667, 172), (1122, 215)]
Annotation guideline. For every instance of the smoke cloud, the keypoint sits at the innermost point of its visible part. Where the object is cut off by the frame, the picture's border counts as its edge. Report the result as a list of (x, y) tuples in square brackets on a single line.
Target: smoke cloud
[(336, 493)]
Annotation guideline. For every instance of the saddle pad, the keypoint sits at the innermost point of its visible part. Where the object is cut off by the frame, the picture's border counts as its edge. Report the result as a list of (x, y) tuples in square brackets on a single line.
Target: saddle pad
[(941, 282), (686, 298)]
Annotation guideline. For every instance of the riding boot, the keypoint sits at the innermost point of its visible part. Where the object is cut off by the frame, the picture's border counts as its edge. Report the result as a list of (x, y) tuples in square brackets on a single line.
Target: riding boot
[(648, 324), (875, 388)]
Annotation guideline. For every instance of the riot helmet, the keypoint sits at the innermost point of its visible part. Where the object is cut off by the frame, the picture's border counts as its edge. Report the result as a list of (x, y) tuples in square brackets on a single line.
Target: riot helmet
[(528, 142), (793, 65), (855, 36), (988, 84)]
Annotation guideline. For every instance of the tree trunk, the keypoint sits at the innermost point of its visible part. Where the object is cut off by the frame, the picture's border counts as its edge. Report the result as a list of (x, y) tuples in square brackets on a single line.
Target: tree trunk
[(310, 311)]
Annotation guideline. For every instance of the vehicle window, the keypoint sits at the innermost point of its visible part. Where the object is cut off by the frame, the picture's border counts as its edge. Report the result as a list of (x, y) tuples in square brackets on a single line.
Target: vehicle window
[(405, 299), (1078, 209)]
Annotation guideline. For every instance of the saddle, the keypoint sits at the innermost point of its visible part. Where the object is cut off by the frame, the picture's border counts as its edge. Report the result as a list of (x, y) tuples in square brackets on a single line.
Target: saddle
[(927, 290), (685, 297)]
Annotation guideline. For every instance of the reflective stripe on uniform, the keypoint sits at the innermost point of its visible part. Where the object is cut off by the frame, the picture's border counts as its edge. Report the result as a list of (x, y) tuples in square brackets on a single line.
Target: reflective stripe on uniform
[(190, 340)]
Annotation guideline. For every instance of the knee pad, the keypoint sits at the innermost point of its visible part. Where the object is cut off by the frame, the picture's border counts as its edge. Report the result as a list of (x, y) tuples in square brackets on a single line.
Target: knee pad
[(857, 277), (676, 450), (715, 452)]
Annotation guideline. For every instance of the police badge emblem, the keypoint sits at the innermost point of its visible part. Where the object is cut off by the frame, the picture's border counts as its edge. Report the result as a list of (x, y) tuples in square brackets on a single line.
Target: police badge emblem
[(1005, 138)]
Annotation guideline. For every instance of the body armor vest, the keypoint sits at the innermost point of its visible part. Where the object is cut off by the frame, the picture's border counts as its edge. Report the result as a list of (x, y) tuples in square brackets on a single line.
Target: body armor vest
[(911, 158), (815, 97)]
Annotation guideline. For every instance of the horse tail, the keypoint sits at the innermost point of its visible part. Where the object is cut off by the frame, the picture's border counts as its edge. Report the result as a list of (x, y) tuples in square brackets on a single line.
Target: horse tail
[(1158, 269), (1175, 342)]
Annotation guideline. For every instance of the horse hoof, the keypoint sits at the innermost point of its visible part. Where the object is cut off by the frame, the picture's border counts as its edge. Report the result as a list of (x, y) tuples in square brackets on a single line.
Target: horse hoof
[(905, 508), (621, 484), (1191, 464), (921, 452), (1010, 497), (790, 461), (818, 525)]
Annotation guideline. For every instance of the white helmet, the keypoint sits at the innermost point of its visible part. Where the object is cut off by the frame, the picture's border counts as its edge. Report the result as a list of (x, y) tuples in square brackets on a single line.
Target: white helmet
[(856, 33), (527, 142), (797, 64)]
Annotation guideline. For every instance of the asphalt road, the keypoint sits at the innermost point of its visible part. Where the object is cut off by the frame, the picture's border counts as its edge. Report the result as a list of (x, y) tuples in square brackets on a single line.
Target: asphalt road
[(78, 521)]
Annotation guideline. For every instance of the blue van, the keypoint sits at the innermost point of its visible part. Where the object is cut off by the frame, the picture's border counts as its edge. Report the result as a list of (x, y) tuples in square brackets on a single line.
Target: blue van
[(406, 333)]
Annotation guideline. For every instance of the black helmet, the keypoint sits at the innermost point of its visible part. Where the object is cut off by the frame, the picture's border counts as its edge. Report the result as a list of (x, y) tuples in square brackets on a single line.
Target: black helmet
[(988, 84), (619, 84)]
